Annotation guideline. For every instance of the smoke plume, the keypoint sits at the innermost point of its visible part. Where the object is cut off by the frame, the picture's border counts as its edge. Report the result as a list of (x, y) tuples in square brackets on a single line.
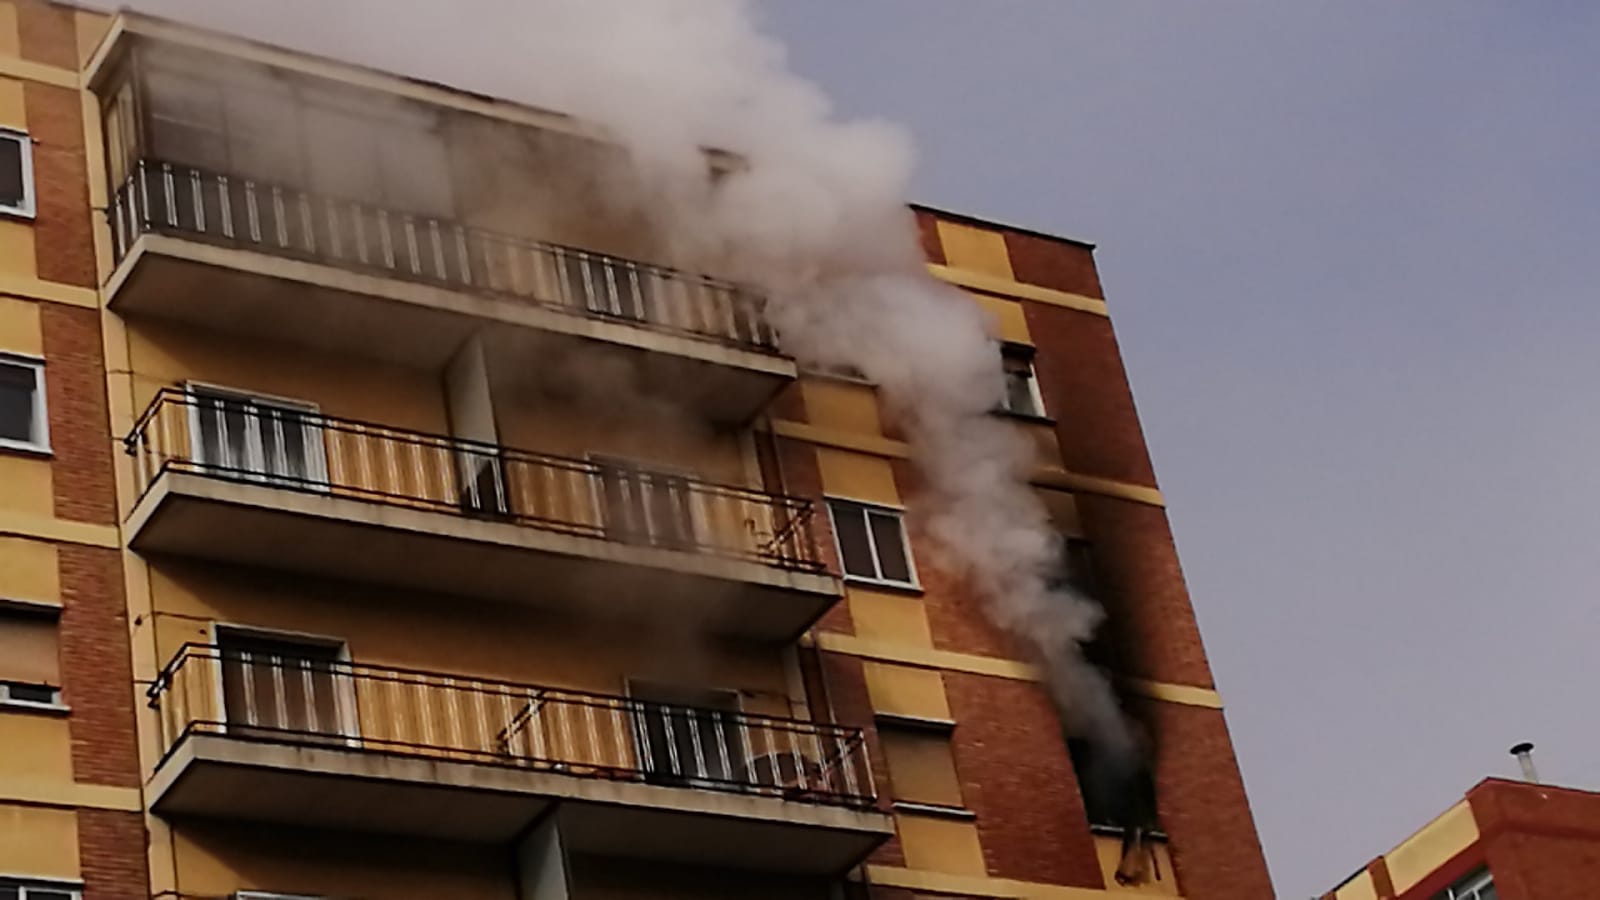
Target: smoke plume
[(815, 216)]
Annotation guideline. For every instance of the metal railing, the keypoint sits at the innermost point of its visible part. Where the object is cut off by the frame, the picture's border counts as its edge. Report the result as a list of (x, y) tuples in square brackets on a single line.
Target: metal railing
[(333, 703), (288, 221), (244, 440)]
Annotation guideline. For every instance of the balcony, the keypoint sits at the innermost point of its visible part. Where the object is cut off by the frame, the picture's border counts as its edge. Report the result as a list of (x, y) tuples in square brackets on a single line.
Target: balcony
[(276, 262), (279, 739), (293, 490)]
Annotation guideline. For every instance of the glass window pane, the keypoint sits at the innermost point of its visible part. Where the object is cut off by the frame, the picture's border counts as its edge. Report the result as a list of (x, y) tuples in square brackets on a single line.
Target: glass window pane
[(10, 892), (16, 402), (849, 523), (889, 539), (42, 894), (12, 188)]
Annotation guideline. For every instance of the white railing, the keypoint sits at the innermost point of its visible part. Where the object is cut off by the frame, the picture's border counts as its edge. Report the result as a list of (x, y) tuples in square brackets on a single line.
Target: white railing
[(287, 221)]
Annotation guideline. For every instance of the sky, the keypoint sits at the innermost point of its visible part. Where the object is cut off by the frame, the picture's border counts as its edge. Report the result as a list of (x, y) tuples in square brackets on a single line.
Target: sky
[(1350, 251)]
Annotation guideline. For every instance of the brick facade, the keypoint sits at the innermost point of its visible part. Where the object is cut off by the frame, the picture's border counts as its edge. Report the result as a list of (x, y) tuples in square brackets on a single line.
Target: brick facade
[(80, 438), (63, 237), (97, 674), (111, 847)]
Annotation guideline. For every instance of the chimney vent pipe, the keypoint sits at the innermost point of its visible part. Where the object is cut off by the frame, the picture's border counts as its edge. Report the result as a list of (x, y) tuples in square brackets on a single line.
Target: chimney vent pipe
[(1524, 754)]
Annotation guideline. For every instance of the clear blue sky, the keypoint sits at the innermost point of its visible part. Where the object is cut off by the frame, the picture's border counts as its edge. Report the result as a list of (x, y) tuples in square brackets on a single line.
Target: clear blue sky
[(1352, 251)]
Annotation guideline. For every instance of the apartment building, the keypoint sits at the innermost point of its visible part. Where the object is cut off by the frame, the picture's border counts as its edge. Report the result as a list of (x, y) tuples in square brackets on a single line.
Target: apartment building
[(381, 519), (1504, 840)]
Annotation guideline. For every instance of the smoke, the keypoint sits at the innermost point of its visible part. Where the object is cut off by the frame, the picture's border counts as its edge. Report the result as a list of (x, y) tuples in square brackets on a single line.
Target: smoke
[(815, 215)]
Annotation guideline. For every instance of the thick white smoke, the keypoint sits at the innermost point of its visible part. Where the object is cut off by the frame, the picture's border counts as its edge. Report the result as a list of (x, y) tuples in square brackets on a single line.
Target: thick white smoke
[(816, 217)]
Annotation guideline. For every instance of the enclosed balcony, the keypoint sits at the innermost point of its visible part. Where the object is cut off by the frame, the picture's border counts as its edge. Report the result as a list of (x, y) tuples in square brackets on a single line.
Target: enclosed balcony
[(230, 480), (323, 742), (296, 205)]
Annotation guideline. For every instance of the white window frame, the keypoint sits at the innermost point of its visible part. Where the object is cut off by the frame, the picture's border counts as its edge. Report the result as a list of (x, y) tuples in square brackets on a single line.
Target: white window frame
[(872, 544), (316, 452), (1024, 355), (30, 883), (350, 717), (29, 195), (1470, 887), (41, 411), (6, 699), (269, 895)]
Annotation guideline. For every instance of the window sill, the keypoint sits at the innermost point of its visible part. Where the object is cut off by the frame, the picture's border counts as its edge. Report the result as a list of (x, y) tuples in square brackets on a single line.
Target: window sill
[(935, 809), (1035, 418), (40, 709), (20, 214), (895, 586), (44, 609), (38, 451), (1117, 831), (918, 723)]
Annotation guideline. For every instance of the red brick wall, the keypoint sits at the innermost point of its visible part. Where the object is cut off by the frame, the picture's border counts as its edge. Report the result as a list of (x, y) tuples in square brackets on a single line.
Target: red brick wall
[(1202, 806), (111, 848), (1016, 775), (1542, 842), (63, 238), (97, 676), (75, 390), (1060, 265)]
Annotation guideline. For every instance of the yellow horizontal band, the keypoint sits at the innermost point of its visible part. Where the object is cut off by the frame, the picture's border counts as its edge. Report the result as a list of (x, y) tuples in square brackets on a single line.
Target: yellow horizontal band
[(71, 795), (949, 660), (983, 886), (993, 284), (881, 446), (65, 531), (28, 70), (53, 291)]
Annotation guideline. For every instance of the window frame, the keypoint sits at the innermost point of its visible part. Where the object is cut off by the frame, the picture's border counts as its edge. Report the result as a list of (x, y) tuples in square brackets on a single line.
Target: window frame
[(1469, 886), (1024, 354), (30, 195), (316, 479), (350, 719), (41, 405), (867, 508), (27, 884)]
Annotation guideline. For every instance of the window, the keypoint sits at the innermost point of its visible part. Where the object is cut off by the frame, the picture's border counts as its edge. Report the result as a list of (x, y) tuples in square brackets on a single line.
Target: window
[(688, 734), (16, 173), (1022, 389), (872, 543), (29, 889), (23, 423), (922, 769), (276, 440), (1113, 796), (30, 667), (646, 507), (1477, 886), (281, 684)]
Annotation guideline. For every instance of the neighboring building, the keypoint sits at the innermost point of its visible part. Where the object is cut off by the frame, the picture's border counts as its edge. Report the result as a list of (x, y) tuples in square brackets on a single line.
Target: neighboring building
[(1506, 840), (426, 601)]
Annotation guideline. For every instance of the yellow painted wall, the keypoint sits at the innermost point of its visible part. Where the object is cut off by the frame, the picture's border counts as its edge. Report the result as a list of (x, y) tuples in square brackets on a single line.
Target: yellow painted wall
[(894, 618), (217, 858), (36, 747), (29, 570), (606, 878), (940, 844), (841, 405), (39, 842), (1360, 887), (25, 485), (16, 249), (12, 112), (857, 476), (1010, 324), (20, 331), (10, 41), (906, 691), (1161, 880), (966, 247), (91, 26), (1419, 855), (165, 355)]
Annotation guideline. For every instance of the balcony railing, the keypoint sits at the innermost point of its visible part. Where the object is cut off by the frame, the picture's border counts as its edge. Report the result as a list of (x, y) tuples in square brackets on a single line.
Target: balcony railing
[(323, 702), (256, 442), (287, 221)]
